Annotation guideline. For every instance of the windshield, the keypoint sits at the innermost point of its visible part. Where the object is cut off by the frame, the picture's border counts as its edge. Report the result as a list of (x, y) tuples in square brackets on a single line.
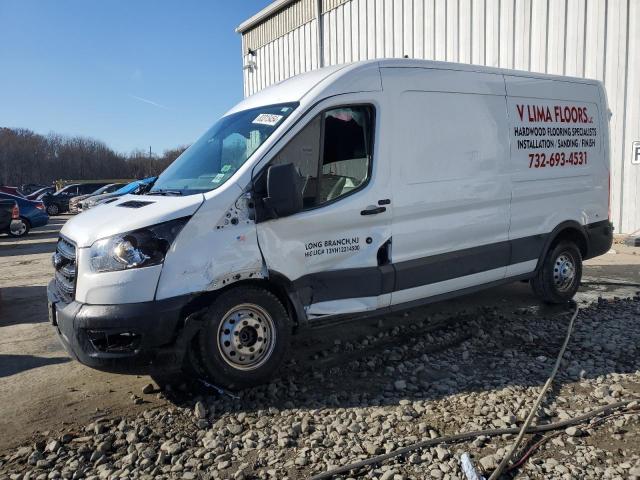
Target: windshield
[(222, 150)]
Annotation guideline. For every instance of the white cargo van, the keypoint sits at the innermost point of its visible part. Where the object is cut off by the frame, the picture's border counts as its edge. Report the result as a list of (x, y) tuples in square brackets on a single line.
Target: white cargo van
[(349, 191)]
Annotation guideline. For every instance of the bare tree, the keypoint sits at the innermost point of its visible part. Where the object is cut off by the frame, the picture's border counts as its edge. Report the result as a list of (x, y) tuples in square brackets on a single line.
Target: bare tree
[(27, 157)]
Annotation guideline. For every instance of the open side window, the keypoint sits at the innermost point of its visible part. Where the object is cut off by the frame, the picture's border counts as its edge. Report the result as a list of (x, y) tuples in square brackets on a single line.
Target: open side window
[(332, 154)]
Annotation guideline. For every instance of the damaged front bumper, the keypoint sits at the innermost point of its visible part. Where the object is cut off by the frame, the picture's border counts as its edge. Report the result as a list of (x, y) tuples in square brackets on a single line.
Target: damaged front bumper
[(131, 337)]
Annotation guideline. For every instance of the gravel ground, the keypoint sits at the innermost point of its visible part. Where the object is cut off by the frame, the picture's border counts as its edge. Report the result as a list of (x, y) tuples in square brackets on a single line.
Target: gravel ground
[(480, 369)]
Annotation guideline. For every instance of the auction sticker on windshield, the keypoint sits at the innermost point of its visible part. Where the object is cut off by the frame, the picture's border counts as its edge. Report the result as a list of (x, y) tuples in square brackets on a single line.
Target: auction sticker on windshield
[(269, 119)]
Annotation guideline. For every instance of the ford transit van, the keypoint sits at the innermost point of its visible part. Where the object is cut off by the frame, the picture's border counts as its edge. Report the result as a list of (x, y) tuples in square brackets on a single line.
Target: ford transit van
[(349, 191)]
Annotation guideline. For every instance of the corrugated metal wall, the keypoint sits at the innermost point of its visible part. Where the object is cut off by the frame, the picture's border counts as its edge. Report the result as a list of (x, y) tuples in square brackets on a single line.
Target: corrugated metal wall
[(586, 38), (279, 24)]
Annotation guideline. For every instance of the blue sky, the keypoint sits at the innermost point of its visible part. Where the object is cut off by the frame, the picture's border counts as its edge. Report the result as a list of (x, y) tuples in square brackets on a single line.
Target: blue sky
[(133, 74)]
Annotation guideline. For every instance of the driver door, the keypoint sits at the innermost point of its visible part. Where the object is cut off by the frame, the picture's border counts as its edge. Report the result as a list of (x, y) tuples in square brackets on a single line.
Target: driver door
[(335, 251)]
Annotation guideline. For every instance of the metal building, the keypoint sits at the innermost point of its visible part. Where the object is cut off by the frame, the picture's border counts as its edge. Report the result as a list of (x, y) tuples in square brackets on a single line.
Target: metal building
[(585, 38)]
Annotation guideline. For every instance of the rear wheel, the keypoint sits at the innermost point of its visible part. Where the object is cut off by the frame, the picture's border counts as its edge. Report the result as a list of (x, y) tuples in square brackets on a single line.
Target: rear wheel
[(244, 339), (558, 278), (53, 209), (19, 228)]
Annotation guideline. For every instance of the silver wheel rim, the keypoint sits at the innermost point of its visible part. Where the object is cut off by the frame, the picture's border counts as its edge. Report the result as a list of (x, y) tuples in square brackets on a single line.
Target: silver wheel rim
[(246, 337), (53, 210), (564, 272), (18, 228)]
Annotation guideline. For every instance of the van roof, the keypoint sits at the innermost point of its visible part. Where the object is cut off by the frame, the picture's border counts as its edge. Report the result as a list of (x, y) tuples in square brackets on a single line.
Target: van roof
[(365, 74)]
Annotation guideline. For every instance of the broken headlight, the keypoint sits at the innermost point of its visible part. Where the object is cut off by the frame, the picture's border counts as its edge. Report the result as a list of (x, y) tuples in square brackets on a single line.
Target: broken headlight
[(138, 248)]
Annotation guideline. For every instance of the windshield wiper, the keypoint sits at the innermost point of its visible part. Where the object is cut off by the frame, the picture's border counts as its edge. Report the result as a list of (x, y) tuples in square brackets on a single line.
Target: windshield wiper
[(166, 192)]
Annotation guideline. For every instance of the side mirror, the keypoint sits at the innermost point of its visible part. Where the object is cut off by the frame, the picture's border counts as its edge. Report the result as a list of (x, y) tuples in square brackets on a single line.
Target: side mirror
[(284, 190)]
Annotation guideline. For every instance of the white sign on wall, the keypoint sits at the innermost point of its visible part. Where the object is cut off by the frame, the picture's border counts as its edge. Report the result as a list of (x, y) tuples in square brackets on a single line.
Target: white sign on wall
[(635, 153)]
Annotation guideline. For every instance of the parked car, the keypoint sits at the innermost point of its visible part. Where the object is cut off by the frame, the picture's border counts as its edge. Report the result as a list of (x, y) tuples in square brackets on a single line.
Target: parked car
[(130, 188), (363, 189), (58, 202), (11, 190), (110, 188), (32, 215), (38, 194), (9, 212), (28, 188)]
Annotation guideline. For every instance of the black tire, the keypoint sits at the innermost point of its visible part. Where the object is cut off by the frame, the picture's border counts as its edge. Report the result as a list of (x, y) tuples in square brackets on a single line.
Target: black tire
[(237, 318), (20, 228), (53, 209), (558, 278)]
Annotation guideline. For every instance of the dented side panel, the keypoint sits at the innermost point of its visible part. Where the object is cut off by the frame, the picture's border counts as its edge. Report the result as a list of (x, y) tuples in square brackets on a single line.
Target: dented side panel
[(217, 247)]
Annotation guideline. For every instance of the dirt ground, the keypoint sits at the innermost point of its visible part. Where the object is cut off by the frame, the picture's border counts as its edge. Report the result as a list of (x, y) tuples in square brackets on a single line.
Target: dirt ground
[(42, 391)]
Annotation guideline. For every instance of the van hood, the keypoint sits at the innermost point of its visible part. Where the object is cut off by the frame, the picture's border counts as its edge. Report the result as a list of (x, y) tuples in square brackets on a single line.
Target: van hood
[(129, 212)]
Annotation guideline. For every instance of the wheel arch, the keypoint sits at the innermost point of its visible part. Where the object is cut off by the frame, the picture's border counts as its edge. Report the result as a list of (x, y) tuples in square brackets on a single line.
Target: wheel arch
[(276, 283), (568, 230), (26, 220)]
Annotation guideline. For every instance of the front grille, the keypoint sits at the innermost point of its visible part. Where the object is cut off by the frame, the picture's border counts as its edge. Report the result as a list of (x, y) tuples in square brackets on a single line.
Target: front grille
[(64, 262)]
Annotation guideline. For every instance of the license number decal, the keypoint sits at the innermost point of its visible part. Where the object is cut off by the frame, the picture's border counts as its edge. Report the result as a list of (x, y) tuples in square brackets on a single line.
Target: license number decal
[(332, 247)]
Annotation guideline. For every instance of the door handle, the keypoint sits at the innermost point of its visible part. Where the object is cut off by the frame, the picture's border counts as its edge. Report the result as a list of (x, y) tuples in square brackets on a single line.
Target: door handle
[(373, 210)]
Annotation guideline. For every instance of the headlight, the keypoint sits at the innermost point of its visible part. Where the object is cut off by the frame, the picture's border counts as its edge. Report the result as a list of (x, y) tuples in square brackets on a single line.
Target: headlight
[(139, 248)]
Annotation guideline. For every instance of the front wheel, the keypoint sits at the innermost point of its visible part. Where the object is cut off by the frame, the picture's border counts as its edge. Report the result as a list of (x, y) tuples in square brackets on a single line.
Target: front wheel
[(19, 228), (244, 338), (559, 276), (53, 209)]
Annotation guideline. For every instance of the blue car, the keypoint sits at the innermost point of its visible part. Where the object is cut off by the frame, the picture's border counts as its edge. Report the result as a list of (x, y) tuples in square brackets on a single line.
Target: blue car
[(133, 187), (32, 214)]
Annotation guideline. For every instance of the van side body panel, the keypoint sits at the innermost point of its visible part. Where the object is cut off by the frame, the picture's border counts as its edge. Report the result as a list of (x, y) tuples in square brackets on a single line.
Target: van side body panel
[(468, 211), (451, 186), (559, 156)]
